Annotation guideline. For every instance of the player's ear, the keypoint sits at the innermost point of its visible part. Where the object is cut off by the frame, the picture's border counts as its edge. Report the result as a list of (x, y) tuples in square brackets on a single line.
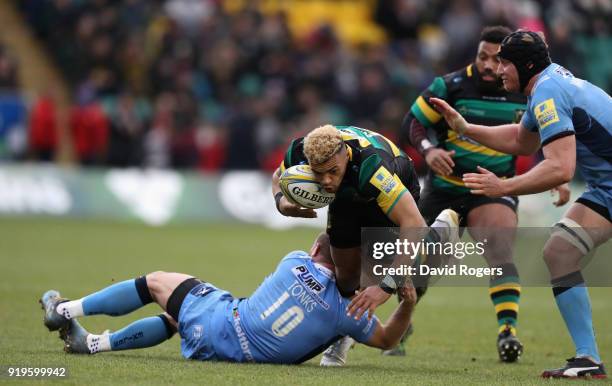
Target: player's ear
[(314, 250)]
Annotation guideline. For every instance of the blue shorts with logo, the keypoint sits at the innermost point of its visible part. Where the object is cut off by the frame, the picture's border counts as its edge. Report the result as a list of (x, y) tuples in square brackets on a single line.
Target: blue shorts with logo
[(205, 325), (599, 199)]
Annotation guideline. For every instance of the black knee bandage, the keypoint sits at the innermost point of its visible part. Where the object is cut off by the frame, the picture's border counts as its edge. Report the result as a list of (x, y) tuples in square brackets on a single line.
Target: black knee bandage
[(170, 330), (143, 290)]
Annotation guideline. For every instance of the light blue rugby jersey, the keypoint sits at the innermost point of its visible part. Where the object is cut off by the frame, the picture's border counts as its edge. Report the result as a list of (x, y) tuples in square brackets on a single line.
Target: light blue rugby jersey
[(562, 104), (297, 312)]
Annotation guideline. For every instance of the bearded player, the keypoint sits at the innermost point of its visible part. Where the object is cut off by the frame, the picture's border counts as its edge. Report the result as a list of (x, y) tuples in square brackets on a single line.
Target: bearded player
[(571, 119), (477, 93)]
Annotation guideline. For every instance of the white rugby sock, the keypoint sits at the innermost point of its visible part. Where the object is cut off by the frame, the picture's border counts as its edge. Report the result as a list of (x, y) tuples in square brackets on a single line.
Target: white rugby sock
[(71, 309), (98, 343)]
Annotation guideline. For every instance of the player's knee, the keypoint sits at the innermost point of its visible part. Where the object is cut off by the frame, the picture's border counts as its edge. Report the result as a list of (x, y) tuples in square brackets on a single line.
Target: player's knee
[(550, 253), (169, 323), (568, 242), (154, 277), (154, 280), (559, 255), (574, 234), (499, 247)]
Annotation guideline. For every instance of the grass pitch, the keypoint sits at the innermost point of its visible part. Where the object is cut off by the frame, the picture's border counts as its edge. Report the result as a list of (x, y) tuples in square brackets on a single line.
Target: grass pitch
[(455, 328)]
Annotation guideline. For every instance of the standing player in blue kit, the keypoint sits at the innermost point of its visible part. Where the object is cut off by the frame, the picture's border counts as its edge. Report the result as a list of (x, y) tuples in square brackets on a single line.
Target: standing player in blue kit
[(571, 119)]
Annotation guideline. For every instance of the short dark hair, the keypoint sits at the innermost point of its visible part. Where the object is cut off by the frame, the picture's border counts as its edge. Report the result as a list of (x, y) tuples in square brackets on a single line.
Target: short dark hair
[(494, 34)]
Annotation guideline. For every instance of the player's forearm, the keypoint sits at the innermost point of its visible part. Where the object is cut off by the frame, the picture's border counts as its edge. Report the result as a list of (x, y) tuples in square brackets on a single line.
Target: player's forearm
[(413, 228), (503, 138), (275, 182), (397, 324), (544, 176), (417, 134)]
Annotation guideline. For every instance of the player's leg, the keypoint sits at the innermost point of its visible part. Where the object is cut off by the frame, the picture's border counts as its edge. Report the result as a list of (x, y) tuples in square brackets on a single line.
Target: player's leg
[(431, 203), (115, 300), (151, 331), (142, 333), (345, 239), (344, 233), (585, 226), (162, 285), (147, 332), (496, 222)]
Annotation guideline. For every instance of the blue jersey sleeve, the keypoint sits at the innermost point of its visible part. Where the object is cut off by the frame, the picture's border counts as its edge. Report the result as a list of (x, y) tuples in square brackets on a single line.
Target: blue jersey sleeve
[(361, 330), (528, 121), (550, 112)]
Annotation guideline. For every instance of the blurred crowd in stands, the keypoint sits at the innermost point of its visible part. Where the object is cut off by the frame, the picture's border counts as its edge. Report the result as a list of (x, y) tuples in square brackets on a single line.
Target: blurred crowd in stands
[(198, 84)]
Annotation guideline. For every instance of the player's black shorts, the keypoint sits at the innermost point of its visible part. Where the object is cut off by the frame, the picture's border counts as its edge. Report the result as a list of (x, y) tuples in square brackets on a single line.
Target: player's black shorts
[(346, 217), (435, 201)]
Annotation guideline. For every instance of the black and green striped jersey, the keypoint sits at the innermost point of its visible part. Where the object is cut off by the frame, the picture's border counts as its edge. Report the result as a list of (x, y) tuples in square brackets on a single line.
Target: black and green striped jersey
[(370, 173), (461, 90)]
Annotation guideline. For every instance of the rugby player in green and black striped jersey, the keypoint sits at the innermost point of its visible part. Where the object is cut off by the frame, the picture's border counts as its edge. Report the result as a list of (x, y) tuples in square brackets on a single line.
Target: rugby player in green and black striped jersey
[(477, 93), (375, 185)]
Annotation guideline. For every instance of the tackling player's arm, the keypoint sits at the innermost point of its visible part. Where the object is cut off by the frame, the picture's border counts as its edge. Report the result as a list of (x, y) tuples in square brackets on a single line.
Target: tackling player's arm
[(388, 335), (511, 138)]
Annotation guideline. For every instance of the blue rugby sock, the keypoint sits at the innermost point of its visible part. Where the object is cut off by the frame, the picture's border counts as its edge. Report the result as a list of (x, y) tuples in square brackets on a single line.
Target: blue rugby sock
[(574, 304), (118, 299), (142, 333)]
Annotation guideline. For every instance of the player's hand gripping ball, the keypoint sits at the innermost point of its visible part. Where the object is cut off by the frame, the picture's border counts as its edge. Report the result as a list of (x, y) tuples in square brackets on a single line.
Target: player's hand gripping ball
[(299, 186)]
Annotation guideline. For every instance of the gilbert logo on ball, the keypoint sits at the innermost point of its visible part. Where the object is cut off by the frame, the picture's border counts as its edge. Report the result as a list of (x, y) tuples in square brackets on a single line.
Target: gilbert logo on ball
[(300, 187)]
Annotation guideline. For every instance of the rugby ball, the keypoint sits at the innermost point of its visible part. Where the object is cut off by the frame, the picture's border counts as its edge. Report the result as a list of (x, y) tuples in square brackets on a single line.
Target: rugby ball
[(300, 187)]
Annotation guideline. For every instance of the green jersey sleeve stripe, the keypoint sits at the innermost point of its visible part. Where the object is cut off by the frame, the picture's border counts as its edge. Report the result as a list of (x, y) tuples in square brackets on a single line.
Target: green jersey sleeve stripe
[(420, 116)]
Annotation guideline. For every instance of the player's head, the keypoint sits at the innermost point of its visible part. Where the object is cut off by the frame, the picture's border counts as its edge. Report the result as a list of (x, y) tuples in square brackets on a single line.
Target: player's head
[(321, 251), (486, 57), (522, 54), (327, 156)]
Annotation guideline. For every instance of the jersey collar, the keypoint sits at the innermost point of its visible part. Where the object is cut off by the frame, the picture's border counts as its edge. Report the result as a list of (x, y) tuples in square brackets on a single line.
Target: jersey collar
[(350, 151), (542, 76), (324, 270)]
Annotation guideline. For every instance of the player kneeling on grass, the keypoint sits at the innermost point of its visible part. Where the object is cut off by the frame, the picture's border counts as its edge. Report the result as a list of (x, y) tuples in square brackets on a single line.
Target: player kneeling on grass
[(294, 314)]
